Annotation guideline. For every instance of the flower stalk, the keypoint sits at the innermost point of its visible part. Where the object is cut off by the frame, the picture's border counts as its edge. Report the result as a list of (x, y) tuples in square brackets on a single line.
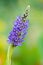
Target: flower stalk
[(9, 54)]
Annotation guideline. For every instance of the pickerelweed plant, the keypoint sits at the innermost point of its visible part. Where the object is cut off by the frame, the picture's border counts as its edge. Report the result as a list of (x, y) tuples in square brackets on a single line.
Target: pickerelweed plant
[(17, 35)]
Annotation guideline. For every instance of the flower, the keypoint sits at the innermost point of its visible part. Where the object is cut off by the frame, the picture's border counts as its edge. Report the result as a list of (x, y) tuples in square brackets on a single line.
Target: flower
[(16, 36)]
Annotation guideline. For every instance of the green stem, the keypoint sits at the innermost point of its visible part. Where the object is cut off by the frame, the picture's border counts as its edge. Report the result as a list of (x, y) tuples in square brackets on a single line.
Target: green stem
[(9, 55)]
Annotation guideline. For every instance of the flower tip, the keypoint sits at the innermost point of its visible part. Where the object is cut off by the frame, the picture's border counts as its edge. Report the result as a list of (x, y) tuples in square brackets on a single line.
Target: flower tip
[(28, 8)]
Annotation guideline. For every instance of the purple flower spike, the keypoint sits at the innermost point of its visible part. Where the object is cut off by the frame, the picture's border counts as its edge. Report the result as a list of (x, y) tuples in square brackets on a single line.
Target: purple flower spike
[(19, 31), (17, 35)]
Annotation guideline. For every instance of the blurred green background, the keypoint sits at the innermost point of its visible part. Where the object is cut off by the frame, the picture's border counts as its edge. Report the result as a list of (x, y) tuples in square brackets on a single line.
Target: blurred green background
[(31, 52)]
